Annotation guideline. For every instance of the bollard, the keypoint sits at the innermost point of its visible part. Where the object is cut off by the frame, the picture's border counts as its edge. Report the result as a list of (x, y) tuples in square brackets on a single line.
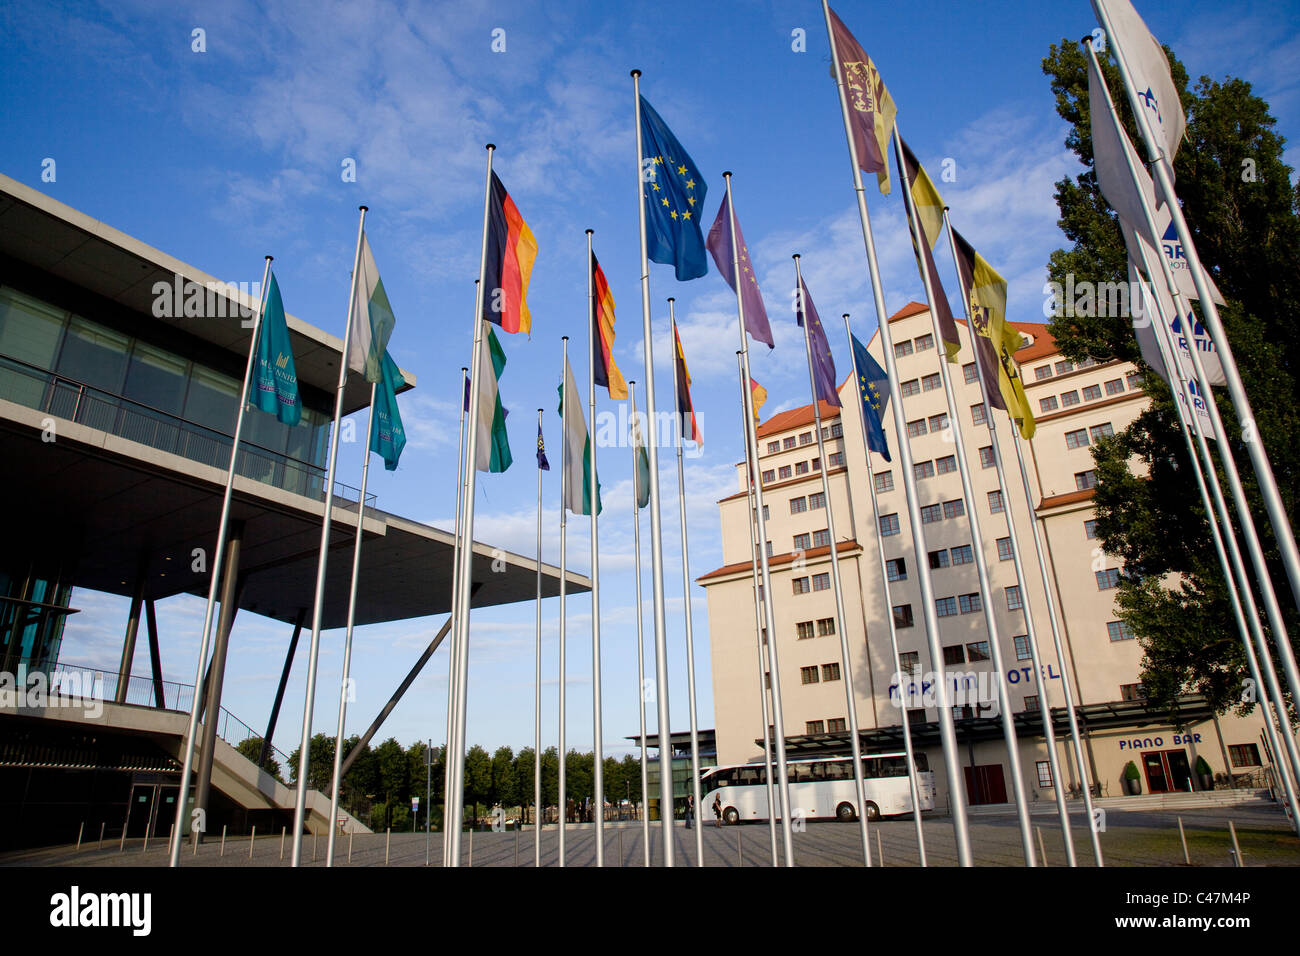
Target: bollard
[(80, 830), (282, 829), (1042, 852), (251, 840), (620, 847), (740, 850), (516, 846), (880, 848), (471, 847), (195, 837), (101, 835), (388, 842), (1183, 836), (223, 839), (313, 846), (1236, 848), (121, 847), (145, 848), (350, 832)]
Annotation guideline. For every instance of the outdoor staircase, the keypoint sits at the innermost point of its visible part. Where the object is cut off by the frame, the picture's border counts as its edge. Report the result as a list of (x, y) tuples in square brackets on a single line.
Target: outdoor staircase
[(1201, 799)]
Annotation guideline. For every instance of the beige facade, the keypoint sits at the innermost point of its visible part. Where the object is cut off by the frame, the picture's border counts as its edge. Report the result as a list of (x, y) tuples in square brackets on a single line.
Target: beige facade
[(1074, 405)]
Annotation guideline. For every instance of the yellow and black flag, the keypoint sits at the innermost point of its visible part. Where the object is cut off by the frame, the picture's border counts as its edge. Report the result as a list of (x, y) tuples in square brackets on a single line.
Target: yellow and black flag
[(922, 197), (685, 407)]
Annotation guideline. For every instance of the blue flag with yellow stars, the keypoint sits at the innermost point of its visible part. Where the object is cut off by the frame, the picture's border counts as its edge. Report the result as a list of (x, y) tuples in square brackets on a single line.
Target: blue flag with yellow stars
[(873, 387), (674, 199)]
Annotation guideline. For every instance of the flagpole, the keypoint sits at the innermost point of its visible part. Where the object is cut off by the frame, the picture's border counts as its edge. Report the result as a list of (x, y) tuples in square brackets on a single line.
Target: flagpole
[(564, 523), (850, 693), (640, 640), (947, 729), (318, 608), (755, 477), (336, 777), (1267, 484), (686, 597), (750, 457), (452, 694), (537, 680), (656, 528), (182, 799), (913, 786), (598, 757)]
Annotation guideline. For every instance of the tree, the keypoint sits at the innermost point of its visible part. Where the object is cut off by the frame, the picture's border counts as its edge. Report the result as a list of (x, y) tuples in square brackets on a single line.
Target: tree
[(478, 778), (251, 748), (320, 763), (1242, 210), (502, 788)]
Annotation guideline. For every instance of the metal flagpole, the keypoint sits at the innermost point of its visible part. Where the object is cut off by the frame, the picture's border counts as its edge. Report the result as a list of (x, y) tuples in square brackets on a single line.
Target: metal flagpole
[(182, 799), (313, 657), (765, 586), (750, 457), (428, 796), (336, 779), (564, 523), (850, 693), (466, 556), (656, 527), (1268, 491), (947, 730), (598, 756), (640, 641), (913, 786), (452, 694), (537, 681), (686, 597)]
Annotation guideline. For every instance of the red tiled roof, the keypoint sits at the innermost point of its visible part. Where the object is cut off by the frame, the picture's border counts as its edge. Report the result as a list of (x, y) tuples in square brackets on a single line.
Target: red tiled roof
[(780, 559), (1043, 343), (912, 308)]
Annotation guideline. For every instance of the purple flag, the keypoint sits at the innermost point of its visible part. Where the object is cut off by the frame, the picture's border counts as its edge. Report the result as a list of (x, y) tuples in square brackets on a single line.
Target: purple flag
[(719, 245), (823, 363)]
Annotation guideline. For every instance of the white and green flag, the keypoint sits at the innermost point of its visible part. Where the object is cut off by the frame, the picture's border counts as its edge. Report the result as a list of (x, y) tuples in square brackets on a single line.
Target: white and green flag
[(493, 450), (577, 450), (372, 319)]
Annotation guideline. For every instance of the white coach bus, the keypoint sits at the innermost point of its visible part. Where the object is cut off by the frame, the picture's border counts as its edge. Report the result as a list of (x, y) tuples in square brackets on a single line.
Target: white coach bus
[(822, 787)]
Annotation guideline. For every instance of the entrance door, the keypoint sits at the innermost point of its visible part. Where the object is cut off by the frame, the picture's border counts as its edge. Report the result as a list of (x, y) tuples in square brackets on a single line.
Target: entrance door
[(140, 814), (1167, 771), (984, 784), (165, 817)]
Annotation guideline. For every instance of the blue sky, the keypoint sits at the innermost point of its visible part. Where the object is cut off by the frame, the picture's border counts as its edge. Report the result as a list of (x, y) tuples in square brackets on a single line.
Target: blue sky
[(223, 156)]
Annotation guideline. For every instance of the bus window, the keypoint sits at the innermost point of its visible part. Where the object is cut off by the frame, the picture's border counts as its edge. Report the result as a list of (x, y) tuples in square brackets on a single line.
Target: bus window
[(839, 770), (747, 776), (800, 772)]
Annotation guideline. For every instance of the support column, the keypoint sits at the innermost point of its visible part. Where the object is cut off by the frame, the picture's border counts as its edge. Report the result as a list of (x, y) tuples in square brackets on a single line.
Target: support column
[(279, 692), (231, 586), (132, 628), (155, 656)]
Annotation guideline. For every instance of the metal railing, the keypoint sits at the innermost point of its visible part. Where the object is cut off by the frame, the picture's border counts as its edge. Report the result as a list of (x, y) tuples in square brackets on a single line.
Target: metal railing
[(74, 401)]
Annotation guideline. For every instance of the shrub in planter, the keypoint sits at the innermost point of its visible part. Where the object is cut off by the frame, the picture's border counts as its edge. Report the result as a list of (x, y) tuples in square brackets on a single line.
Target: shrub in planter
[(1132, 779), (1205, 774)]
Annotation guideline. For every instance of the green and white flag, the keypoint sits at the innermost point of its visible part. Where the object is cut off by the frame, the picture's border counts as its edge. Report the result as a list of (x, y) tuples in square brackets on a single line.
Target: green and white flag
[(577, 449), (641, 480), (493, 452), (387, 436), (274, 385), (372, 319)]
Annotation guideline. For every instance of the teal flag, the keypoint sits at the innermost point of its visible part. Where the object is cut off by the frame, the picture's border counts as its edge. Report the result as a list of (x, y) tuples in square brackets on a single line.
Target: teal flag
[(387, 436), (274, 386)]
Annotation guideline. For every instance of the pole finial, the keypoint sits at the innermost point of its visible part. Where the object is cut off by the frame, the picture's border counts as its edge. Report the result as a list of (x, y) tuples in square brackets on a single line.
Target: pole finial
[(672, 299), (591, 232), (726, 174), (270, 258), (363, 208), (491, 146), (795, 256), (564, 338), (636, 73), (1086, 40), (846, 315)]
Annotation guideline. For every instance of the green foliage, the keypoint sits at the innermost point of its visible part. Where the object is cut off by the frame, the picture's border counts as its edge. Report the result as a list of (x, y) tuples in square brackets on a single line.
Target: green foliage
[(1131, 771), (1202, 766), (251, 748)]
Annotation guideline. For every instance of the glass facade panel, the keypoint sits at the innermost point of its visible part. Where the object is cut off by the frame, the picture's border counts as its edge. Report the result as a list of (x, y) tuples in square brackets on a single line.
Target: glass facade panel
[(94, 355)]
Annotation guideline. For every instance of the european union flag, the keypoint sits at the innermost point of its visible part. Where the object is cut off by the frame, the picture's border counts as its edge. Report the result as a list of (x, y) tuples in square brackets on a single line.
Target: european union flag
[(674, 199), (873, 387)]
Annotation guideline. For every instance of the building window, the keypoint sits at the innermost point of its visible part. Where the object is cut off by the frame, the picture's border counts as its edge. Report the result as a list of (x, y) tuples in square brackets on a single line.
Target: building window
[(1083, 480), (896, 569), (911, 387), (939, 559), (1004, 549), (938, 422), (916, 429), (816, 500), (769, 476), (888, 525), (801, 586), (790, 442), (798, 505), (1091, 393), (813, 727), (1063, 366), (902, 615), (836, 459), (835, 724), (825, 626), (1101, 431), (902, 349), (816, 464), (995, 502), (1077, 438), (884, 481), (962, 554), (1014, 601), (930, 382), (1044, 769), (769, 549), (1134, 380), (801, 467), (1031, 703), (978, 414), (1042, 372), (1022, 647), (760, 594), (931, 514), (922, 470), (808, 674), (1047, 404), (979, 651), (954, 509), (767, 680), (1107, 579), (1115, 386), (803, 630), (773, 446), (947, 465), (784, 472), (909, 663), (925, 342), (986, 457), (830, 672), (970, 603), (1132, 692), (1069, 398), (1090, 529), (821, 539), (954, 654), (820, 582), (969, 372), (802, 542), (806, 438), (1243, 755), (945, 607), (1119, 631)]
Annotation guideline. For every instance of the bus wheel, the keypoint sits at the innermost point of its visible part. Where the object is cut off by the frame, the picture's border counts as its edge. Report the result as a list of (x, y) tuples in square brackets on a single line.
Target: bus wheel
[(873, 811), (731, 815), (844, 812)]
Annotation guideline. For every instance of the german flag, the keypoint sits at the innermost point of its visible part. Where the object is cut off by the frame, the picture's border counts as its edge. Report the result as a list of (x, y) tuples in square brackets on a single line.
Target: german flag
[(603, 370), (511, 250), (685, 407)]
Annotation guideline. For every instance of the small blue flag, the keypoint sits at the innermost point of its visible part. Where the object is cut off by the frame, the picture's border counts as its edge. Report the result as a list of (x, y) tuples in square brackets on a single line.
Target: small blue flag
[(873, 387), (542, 463), (274, 388), (387, 436), (674, 199)]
